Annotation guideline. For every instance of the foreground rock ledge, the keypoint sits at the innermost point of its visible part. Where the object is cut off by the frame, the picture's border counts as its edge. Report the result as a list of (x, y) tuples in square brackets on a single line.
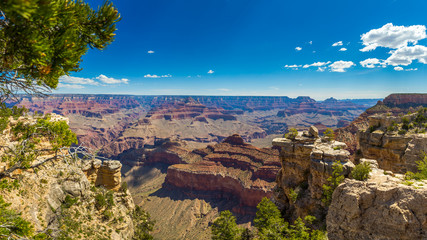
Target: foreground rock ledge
[(380, 208)]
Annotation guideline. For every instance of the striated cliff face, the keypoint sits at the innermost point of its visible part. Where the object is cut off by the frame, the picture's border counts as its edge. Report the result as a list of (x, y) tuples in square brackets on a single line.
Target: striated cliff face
[(231, 169), (380, 208), (106, 174), (395, 150), (406, 100), (306, 164)]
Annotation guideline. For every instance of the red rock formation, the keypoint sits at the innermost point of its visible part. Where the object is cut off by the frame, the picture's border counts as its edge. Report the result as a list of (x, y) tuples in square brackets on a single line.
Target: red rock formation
[(406, 100), (189, 109), (231, 168)]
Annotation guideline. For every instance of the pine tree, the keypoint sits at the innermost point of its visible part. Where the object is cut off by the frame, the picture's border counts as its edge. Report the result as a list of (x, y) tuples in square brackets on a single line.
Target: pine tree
[(225, 227), (42, 40)]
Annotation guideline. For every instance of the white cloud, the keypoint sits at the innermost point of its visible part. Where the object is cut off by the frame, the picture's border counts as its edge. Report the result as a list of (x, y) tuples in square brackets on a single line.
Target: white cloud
[(295, 67), (337, 44), (341, 66), (405, 55), (311, 42), (398, 68), (343, 49), (150, 52), (321, 69), (71, 86), (211, 72), (394, 37), (373, 63), (411, 69), (77, 80), (317, 64), (109, 80), (224, 89), (158, 76), (298, 48)]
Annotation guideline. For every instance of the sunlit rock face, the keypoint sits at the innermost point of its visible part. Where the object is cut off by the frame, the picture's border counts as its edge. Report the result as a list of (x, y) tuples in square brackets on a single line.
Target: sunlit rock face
[(380, 208), (306, 164)]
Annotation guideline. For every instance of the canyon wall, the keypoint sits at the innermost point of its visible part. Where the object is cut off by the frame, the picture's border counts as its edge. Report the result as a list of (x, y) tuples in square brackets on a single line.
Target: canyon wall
[(306, 164), (231, 169)]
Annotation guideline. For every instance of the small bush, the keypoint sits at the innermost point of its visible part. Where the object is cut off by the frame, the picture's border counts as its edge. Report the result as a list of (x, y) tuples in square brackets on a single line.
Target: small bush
[(329, 134), (361, 171), (333, 181), (293, 195), (124, 187), (402, 132), (100, 201), (69, 201), (292, 134)]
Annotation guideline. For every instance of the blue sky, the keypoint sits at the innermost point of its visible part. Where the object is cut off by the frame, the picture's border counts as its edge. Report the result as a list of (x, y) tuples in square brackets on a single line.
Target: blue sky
[(341, 49)]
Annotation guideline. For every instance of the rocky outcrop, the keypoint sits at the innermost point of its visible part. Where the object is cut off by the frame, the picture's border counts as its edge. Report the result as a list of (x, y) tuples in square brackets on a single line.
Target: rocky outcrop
[(395, 150), (106, 174), (57, 197), (306, 164), (380, 208)]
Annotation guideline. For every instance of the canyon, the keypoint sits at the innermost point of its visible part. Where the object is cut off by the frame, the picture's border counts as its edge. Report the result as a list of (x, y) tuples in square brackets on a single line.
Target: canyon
[(194, 156)]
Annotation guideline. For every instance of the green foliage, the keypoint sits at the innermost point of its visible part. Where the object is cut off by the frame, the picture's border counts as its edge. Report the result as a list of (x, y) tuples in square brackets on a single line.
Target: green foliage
[(225, 227), (100, 201), (12, 223), (9, 185), (269, 224), (69, 201), (6, 113), (361, 171), (44, 40), (329, 134), (293, 195), (124, 187), (267, 216), (333, 182), (422, 170), (292, 134), (143, 224), (104, 199), (29, 135)]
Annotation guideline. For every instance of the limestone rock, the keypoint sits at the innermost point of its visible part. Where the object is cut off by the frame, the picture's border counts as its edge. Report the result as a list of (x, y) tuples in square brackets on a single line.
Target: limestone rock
[(380, 208), (306, 166), (313, 132)]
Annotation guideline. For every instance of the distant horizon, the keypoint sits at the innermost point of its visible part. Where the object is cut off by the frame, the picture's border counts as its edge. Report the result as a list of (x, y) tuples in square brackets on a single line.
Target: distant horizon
[(171, 95)]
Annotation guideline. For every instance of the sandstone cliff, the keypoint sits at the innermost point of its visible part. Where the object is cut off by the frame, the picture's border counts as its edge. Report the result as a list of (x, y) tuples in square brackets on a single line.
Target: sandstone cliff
[(231, 169), (381, 208), (396, 142), (306, 164)]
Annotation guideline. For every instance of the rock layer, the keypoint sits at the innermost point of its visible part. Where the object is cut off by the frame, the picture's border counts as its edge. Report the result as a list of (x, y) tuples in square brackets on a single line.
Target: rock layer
[(231, 169), (306, 164)]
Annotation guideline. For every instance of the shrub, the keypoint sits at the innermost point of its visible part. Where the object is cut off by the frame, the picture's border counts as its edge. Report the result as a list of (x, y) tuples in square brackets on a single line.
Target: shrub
[(124, 187), (16, 225), (361, 171), (100, 201), (333, 182), (293, 195), (292, 134), (329, 134), (143, 224), (69, 201)]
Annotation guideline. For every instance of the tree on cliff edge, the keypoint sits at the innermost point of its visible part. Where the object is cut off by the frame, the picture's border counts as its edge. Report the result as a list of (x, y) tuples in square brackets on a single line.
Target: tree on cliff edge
[(42, 40)]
